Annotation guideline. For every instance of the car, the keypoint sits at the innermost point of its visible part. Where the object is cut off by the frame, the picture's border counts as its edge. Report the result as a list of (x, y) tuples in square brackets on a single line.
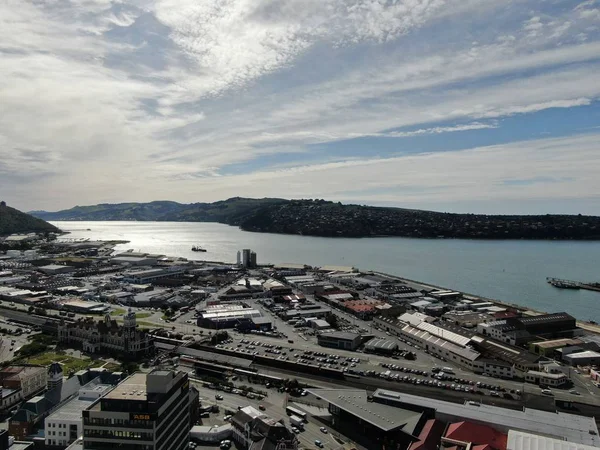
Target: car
[(495, 394), (219, 397), (318, 443), (295, 430), (261, 407), (547, 392), (323, 430), (574, 392)]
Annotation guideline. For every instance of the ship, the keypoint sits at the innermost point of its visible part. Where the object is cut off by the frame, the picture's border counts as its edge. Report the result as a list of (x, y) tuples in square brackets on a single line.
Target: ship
[(196, 248)]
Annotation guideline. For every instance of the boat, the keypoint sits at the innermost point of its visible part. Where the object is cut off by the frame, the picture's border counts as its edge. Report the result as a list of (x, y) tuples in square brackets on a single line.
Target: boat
[(198, 249)]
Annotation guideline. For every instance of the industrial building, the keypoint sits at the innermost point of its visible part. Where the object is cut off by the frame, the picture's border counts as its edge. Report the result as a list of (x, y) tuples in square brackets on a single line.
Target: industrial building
[(522, 330), (153, 275), (340, 340), (585, 358), (150, 411), (227, 316)]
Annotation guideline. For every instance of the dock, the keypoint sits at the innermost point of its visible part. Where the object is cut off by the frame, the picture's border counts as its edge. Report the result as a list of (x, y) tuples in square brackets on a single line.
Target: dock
[(570, 284)]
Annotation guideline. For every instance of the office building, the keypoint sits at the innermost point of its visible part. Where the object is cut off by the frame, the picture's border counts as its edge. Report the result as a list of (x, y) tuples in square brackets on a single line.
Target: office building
[(247, 258), (145, 412), (64, 425)]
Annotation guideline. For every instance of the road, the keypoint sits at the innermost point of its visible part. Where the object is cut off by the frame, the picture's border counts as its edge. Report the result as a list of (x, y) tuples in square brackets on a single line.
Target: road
[(274, 405)]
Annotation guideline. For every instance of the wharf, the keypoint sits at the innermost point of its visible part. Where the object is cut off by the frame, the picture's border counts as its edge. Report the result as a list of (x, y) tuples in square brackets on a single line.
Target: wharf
[(570, 284)]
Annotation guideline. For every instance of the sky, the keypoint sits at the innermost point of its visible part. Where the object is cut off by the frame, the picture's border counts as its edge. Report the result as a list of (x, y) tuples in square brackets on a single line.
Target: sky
[(480, 106)]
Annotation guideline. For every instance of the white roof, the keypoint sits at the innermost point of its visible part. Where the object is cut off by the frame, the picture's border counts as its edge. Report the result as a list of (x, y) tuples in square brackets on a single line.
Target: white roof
[(585, 354), (519, 440), (414, 318), (444, 334)]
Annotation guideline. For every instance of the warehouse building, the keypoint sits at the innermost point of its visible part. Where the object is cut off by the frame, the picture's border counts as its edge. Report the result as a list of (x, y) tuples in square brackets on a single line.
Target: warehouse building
[(227, 316), (340, 340), (585, 358)]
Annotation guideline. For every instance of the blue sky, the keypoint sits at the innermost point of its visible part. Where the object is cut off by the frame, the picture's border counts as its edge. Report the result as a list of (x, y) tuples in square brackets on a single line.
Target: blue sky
[(453, 105)]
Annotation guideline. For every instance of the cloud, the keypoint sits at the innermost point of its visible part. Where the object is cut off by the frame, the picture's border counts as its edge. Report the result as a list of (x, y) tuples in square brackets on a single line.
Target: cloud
[(105, 100)]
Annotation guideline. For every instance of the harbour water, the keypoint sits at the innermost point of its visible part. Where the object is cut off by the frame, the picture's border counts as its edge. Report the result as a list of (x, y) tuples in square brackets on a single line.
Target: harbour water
[(511, 271)]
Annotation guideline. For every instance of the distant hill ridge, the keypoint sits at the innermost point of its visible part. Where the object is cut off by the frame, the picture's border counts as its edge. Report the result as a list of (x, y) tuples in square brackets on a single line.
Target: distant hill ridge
[(325, 218), (13, 221)]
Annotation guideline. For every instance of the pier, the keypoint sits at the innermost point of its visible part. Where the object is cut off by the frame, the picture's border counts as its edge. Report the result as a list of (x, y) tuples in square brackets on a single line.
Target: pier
[(570, 284)]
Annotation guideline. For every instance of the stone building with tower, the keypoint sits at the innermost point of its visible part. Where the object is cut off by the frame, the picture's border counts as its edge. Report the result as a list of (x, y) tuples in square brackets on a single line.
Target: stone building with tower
[(107, 336)]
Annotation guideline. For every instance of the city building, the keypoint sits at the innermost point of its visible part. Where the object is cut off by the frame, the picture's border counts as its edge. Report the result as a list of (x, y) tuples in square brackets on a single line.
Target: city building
[(374, 425), (520, 440), (548, 348), (108, 336), (31, 414), (144, 412), (20, 383), (584, 358), (247, 258), (153, 275), (227, 316), (64, 425), (340, 339), (56, 269), (473, 435), (577, 429), (522, 330), (254, 430)]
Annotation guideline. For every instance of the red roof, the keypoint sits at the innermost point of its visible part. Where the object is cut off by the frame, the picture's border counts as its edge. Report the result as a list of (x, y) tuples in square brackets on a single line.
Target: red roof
[(477, 434), (430, 436)]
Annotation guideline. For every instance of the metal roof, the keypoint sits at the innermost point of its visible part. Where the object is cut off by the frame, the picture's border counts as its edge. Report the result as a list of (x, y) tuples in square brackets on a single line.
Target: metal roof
[(519, 440), (384, 417), (573, 428)]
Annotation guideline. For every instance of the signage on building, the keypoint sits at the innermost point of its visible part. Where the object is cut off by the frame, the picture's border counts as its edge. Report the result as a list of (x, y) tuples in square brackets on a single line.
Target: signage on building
[(140, 417)]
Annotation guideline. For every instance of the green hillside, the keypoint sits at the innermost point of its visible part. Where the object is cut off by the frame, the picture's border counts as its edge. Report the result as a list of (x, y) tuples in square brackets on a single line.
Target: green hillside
[(325, 218), (14, 221)]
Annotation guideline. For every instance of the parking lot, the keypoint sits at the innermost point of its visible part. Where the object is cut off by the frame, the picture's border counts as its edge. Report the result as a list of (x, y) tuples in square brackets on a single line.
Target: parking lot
[(273, 405)]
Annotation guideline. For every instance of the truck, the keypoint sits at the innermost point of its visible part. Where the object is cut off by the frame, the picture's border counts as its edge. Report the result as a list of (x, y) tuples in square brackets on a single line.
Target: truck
[(297, 422)]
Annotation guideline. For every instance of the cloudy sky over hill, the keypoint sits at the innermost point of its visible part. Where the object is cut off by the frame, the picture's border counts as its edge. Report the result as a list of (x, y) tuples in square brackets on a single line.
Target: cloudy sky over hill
[(455, 105)]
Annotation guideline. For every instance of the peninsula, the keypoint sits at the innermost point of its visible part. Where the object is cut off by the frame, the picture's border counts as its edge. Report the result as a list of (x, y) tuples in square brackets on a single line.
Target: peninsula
[(331, 219), (14, 221)]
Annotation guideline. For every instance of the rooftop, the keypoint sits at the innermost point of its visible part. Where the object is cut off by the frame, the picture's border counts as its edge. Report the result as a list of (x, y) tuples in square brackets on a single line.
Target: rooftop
[(518, 440), (382, 416), (342, 335), (132, 388), (574, 428), (70, 410)]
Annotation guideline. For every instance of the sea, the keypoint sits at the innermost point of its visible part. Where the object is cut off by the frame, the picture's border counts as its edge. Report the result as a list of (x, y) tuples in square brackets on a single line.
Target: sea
[(512, 271)]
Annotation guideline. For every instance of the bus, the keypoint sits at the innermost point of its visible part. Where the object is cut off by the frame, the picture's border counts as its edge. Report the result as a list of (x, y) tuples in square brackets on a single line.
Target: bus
[(291, 411)]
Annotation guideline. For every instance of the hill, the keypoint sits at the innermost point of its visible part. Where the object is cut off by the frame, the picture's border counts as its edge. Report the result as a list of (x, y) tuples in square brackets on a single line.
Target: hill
[(324, 218), (233, 211), (14, 221)]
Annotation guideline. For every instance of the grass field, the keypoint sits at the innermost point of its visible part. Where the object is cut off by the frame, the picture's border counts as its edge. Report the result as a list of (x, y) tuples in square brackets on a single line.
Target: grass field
[(121, 312), (67, 362)]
